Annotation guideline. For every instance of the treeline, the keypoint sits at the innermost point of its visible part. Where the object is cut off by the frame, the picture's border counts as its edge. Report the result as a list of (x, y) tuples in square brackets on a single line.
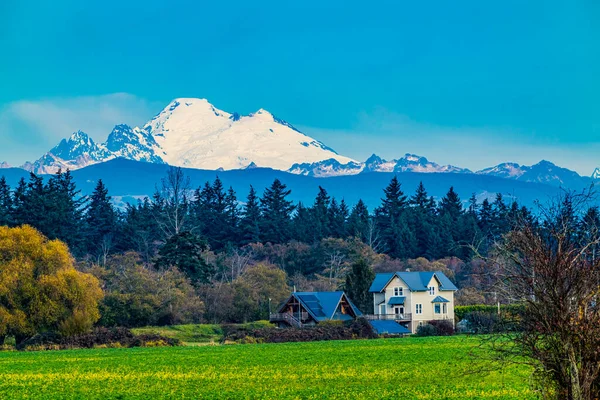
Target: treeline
[(212, 216), (201, 255)]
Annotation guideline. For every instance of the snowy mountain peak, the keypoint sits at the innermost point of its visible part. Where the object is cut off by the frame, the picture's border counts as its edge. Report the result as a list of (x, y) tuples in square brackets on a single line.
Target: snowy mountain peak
[(79, 144), (194, 133), (4, 164), (415, 163), (596, 174)]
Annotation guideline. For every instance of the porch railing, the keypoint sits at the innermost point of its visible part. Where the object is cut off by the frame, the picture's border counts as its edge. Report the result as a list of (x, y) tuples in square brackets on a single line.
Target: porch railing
[(292, 320), (389, 317)]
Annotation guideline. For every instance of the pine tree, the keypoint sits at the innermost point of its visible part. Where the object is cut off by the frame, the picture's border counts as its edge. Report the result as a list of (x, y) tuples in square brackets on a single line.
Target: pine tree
[(276, 212), (232, 217), (396, 234), (358, 281), (19, 198), (320, 215), (65, 208), (358, 221), (303, 224), (184, 251), (6, 203), (250, 221), (337, 215), (420, 198), (101, 223)]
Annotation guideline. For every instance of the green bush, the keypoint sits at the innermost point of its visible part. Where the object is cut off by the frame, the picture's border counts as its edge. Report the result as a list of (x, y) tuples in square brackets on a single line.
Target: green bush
[(426, 330), (510, 309)]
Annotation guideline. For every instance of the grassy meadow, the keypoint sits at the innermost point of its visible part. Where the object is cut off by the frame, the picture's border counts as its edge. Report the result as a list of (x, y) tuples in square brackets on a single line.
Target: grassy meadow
[(408, 368)]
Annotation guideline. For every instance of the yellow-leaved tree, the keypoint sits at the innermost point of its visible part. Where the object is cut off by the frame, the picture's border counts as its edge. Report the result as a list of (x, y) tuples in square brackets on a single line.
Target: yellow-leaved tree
[(40, 289)]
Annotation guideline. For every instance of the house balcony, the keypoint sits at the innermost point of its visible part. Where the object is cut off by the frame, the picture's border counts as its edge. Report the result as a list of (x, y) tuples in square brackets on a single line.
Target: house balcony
[(389, 317), (290, 319)]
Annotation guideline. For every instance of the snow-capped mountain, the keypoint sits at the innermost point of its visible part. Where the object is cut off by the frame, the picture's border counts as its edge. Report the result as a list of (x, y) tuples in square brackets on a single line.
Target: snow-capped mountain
[(193, 133), (132, 144), (408, 163), (542, 172), (78, 151), (4, 164), (414, 163), (326, 168)]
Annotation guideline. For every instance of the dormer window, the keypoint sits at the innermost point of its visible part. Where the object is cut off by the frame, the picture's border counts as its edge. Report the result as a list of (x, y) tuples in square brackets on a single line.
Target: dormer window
[(398, 291), (432, 290)]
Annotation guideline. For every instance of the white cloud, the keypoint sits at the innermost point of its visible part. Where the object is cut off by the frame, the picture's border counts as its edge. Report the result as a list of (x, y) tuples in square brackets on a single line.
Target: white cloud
[(28, 128)]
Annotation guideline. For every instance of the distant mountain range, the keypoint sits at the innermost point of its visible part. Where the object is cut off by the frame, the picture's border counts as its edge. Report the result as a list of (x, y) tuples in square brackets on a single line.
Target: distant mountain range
[(192, 133), (128, 181)]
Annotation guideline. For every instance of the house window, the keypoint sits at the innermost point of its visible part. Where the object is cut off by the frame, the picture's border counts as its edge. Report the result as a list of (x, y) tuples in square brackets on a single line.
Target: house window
[(445, 308), (398, 291), (418, 308), (432, 290), (437, 308)]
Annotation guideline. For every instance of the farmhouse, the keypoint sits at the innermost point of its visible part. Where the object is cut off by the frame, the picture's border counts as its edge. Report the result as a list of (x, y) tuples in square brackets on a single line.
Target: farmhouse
[(311, 308), (411, 299)]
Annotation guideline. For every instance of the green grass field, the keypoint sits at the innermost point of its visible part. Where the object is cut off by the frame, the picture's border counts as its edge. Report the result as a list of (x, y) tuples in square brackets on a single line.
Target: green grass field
[(408, 368)]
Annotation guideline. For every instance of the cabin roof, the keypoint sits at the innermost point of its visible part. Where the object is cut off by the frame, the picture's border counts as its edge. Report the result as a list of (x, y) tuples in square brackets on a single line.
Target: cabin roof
[(416, 281), (322, 305), (389, 327)]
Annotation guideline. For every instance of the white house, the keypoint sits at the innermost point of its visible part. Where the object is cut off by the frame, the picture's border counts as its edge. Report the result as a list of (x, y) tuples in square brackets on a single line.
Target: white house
[(412, 298)]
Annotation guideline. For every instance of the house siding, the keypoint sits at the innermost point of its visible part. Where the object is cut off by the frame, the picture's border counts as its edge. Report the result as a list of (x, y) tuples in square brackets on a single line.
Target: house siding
[(413, 298)]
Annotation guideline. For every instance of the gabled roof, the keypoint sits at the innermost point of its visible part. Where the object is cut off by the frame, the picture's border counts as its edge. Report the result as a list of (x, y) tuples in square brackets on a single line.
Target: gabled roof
[(440, 299), (389, 327), (416, 281), (322, 305)]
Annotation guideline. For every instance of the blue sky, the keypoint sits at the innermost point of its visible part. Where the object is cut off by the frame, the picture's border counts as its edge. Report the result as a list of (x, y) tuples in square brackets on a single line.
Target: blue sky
[(470, 83)]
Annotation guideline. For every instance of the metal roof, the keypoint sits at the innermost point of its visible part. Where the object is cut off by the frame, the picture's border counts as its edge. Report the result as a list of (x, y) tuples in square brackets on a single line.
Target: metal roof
[(397, 300), (389, 327), (416, 281), (323, 305), (440, 299)]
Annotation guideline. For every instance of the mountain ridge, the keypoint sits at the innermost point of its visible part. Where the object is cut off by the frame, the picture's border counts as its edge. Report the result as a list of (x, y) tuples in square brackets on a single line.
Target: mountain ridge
[(193, 133)]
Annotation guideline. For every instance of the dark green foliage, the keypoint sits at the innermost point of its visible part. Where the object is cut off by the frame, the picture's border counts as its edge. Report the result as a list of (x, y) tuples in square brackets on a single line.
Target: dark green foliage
[(401, 227), (439, 327), (359, 329), (276, 212), (184, 252), (6, 203), (121, 337), (250, 219), (100, 223), (357, 285)]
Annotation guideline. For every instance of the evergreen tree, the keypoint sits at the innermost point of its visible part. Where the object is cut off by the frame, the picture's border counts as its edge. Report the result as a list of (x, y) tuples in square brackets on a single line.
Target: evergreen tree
[(422, 220), (184, 251), (66, 207), (320, 215), (302, 221), (6, 203), (486, 218), (420, 198), (19, 209), (140, 230), (397, 236), (358, 281), (276, 212), (358, 221), (250, 221), (101, 223)]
